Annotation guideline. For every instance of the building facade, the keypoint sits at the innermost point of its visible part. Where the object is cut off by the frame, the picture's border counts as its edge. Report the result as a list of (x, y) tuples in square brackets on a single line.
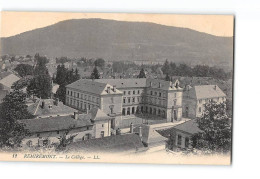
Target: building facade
[(127, 98), (194, 99)]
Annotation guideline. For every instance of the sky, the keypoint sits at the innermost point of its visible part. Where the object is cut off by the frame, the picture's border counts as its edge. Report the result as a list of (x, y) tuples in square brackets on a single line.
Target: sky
[(13, 23)]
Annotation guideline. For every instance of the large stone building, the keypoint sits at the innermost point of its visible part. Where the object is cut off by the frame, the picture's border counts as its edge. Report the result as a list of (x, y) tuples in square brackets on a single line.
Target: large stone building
[(195, 97), (126, 98)]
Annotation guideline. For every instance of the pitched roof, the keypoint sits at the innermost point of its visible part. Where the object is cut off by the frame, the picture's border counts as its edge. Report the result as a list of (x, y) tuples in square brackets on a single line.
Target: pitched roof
[(91, 86), (98, 115), (125, 83), (149, 135), (9, 80), (162, 84), (190, 126), (205, 92), (55, 123), (208, 91), (59, 109), (115, 143)]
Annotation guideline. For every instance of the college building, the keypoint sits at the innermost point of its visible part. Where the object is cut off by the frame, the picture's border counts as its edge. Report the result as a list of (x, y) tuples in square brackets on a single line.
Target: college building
[(124, 99), (194, 99)]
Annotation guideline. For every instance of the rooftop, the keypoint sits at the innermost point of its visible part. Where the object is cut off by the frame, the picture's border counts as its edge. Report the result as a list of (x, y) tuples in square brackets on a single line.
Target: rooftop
[(56, 123), (91, 86), (49, 108), (205, 92), (8, 80), (115, 143), (190, 126), (149, 135), (125, 83)]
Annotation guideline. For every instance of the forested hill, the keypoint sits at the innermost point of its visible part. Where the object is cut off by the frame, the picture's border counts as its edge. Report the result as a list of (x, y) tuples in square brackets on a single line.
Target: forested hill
[(118, 40)]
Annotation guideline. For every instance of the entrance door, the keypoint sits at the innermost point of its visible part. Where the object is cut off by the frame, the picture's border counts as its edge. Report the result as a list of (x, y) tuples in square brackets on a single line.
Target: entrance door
[(187, 111), (175, 115)]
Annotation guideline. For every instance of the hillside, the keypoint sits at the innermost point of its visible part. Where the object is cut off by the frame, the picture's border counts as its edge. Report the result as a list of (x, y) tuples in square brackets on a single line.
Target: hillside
[(118, 40)]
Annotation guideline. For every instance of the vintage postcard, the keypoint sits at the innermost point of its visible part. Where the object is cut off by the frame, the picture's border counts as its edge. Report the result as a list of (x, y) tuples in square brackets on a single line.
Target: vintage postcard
[(116, 88)]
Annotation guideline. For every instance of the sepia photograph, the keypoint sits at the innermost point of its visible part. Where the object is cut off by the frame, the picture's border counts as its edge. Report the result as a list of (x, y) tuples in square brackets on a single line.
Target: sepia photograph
[(116, 87)]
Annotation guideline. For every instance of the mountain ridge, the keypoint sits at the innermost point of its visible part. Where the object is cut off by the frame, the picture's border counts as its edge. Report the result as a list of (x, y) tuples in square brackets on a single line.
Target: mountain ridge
[(121, 40)]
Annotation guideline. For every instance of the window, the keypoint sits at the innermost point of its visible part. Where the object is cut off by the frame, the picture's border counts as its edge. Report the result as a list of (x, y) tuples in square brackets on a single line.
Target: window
[(133, 100), (124, 100), (81, 96), (38, 135), (199, 109), (129, 100), (58, 132), (102, 134), (160, 94), (71, 93), (102, 125), (128, 111), (124, 92), (123, 112), (179, 140), (174, 102), (138, 92), (78, 95), (133, 110), (151, 92), (68, 92), (134, 92), (155, 93)]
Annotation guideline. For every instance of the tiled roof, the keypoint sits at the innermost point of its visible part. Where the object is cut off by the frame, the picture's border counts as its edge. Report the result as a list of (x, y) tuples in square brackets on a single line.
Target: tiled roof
[(37, 109), (205, 92), (9, 80), (162, 84), (55, 123), (91, 86), (149, 135), (125, 83), (190, 126), (98, 115), (115, 143)]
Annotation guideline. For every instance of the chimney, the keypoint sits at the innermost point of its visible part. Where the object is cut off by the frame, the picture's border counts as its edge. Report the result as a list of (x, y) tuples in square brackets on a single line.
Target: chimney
[(76, 115), (114, 88), (43, 103), (108, 89), (171, 84), (131, 128), (140, 132)]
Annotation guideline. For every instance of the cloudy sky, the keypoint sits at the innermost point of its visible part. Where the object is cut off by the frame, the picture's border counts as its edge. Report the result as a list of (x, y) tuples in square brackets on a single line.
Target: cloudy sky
[(13, 23)]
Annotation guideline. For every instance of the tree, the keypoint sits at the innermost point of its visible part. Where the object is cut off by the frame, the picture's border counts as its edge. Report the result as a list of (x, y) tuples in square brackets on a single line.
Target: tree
[(167, 78), (64, 140), (166, 67), (61, 93), (40, 85), (215, 125), (95, 74), (100, 63), (24, 69), (12, 109), (141, 74)]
